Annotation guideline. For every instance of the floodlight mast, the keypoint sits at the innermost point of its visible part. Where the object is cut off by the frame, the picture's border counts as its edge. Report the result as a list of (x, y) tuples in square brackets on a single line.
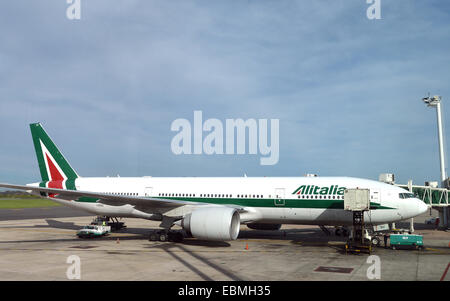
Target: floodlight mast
[(435, 101)]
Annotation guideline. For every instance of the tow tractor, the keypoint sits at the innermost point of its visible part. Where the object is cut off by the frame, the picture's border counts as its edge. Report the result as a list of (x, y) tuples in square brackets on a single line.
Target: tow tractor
[(100, 226), (92, 231)]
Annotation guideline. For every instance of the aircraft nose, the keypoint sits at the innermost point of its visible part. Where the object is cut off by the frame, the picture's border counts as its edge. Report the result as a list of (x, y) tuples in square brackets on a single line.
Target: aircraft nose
[(413, 207), (421, 206)]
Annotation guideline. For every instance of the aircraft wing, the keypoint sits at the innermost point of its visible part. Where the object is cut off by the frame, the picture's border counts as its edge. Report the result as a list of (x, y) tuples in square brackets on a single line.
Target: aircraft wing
[(147, 202)]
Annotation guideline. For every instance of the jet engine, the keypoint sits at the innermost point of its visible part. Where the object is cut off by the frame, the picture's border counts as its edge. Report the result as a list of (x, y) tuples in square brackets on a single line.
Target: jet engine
[(260, 226), (212, 223)]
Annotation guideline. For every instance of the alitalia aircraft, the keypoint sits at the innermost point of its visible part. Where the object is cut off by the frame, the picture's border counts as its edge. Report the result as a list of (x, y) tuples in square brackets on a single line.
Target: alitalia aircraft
[(213, 208)]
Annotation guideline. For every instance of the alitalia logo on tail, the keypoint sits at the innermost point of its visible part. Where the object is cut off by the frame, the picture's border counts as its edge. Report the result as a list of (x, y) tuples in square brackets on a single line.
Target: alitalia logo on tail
[(56, 172), (327, 190)]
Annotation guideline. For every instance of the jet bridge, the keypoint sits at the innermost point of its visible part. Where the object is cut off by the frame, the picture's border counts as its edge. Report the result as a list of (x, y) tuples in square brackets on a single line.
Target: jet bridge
[(434, 197)]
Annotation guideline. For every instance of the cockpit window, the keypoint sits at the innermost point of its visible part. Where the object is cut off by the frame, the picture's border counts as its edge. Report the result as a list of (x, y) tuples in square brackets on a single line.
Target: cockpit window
[(406, 195)]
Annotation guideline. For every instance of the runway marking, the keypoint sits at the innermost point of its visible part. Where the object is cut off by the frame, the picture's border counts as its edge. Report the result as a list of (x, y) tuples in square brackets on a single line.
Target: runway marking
[(334, 270), (445, 272), (83, 247), (444, 251)]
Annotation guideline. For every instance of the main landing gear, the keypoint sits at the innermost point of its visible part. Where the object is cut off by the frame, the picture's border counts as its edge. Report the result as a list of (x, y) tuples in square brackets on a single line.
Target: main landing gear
[(166, 235)]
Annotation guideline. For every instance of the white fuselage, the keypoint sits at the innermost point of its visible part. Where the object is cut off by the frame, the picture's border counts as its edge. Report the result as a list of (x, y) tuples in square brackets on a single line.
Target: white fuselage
[(265, 199)]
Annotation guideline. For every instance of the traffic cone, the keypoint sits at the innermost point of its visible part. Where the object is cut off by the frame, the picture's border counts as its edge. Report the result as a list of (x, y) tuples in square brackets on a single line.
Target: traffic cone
[(246, 246)]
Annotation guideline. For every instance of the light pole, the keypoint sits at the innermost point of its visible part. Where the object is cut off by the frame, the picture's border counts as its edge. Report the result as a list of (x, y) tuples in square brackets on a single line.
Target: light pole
[(435, 101)]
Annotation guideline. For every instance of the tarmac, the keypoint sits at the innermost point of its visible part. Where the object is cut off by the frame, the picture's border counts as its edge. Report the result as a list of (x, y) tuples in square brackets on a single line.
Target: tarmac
[(38, 246)]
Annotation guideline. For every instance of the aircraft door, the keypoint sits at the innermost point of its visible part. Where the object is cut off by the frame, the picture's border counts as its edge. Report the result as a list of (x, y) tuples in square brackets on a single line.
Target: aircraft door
[(279, 197), (279, 203), (375, 198), (148, 191)]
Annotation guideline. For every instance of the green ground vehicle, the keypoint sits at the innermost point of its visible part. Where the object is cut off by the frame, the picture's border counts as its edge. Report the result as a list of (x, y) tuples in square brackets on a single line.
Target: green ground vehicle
[(406, 240)]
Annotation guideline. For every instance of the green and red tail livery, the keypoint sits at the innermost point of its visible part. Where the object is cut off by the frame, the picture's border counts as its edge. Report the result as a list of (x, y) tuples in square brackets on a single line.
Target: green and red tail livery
[(56, 172)]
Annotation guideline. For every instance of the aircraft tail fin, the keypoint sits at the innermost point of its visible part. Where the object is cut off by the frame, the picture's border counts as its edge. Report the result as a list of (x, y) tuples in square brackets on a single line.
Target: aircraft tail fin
[(55, 169)]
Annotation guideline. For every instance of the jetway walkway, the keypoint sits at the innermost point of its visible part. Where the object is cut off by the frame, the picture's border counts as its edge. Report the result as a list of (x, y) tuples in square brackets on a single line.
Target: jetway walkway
[(436, 198), (433, 197)]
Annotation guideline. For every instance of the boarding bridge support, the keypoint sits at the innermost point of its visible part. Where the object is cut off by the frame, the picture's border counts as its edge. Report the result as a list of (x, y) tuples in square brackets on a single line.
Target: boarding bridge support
[(411, 221), (443, 217)]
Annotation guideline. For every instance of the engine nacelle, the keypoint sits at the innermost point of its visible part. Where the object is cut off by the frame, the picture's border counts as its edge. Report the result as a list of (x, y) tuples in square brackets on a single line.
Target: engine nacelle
[(213, 223), (260, 226)]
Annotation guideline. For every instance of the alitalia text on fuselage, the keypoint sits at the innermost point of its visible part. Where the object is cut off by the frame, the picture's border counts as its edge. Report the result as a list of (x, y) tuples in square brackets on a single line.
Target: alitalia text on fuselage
[(319, 190)]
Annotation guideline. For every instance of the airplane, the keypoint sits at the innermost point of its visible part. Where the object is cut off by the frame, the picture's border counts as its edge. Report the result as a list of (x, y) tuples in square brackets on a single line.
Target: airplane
[(213, 208)]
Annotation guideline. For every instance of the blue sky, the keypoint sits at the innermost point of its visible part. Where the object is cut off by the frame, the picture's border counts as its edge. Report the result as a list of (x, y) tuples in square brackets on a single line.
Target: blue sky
[(347, 90)]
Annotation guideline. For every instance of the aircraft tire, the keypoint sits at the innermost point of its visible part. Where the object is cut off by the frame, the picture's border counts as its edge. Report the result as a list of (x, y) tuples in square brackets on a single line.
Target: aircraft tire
[(376, 241), (163, 237), (153, 237)]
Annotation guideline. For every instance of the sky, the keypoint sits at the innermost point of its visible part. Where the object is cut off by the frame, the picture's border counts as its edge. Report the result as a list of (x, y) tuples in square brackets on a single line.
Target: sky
[(346, 90)]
